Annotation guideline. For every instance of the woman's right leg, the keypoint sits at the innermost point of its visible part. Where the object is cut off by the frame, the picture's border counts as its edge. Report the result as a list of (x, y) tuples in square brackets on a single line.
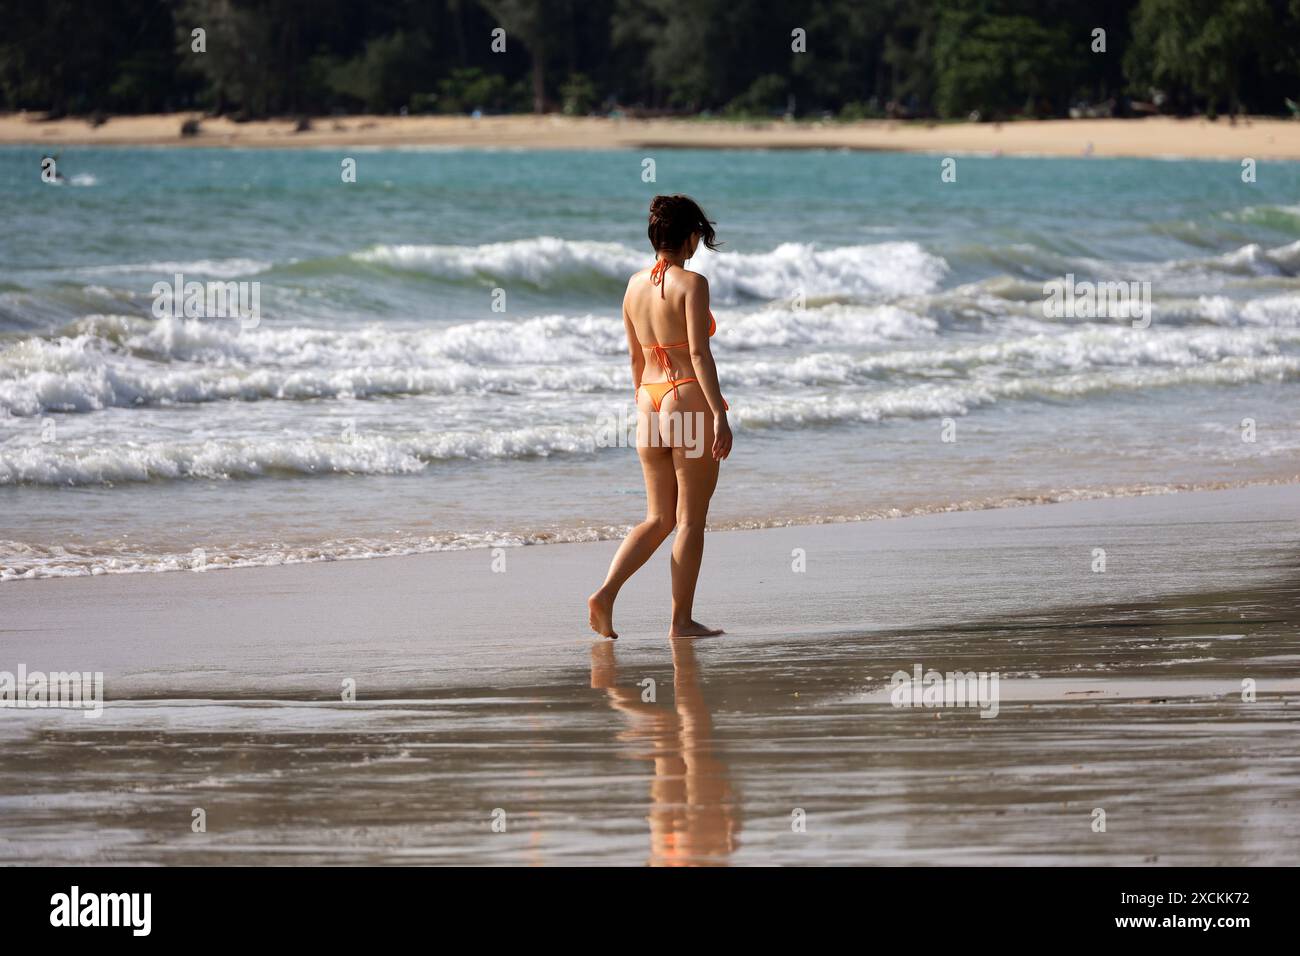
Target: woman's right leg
[(697, 476)]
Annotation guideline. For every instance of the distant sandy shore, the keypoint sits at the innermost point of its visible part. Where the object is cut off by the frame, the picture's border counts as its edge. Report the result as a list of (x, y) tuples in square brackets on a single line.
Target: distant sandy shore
[(1266, 139)]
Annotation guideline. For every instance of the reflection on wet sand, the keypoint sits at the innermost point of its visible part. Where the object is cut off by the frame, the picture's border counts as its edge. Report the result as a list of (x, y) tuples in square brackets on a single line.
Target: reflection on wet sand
[(694, 816), (1134, 707)]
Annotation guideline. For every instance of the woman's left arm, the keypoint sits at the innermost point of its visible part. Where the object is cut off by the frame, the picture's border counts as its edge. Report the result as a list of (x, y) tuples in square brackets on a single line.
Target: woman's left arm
[(634, 348)]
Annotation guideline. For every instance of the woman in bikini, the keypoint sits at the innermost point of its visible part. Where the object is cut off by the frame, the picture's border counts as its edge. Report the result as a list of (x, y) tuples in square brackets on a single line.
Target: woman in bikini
[(682, 430)]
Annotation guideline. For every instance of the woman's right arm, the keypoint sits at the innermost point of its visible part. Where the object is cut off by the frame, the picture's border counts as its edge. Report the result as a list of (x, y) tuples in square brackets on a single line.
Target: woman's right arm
[(698, 321)]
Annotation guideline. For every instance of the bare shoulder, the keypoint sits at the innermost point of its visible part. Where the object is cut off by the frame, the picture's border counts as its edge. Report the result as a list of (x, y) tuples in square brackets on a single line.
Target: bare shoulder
[(695, 282)]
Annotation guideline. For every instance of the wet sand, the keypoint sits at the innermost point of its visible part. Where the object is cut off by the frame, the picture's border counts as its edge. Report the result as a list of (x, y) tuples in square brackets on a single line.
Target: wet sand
[(480, 698), (1260, 138)]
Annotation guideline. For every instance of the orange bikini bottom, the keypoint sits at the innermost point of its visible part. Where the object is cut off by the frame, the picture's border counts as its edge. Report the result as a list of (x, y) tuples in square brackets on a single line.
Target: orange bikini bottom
[(657, 391)]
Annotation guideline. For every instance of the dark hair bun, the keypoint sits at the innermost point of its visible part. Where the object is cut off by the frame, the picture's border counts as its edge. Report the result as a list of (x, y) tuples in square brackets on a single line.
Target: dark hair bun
[(673, 219)]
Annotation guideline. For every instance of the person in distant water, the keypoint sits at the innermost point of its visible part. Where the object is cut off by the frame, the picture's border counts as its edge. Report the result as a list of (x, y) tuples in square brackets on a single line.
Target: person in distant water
[(682, 429)]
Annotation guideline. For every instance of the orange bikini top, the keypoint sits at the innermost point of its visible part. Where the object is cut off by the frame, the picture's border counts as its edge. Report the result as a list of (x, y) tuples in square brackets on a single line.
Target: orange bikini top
[(660, 353)]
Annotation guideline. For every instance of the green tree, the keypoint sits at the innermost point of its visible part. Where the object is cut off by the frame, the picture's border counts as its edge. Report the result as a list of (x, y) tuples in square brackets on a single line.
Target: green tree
[(765, 95), (383, 78), (578, 95), (1197, 51), (927, 57), (527, 21), (470, 89), (1000, 64)]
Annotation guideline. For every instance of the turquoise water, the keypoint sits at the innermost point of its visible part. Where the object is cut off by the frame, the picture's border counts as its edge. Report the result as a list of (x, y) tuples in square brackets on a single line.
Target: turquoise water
[(867, 310)]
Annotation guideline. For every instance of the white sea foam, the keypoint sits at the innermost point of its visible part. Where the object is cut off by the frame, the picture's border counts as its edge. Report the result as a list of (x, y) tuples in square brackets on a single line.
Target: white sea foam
[(166, 269), (23, 561), (123, 362), (1250, 260), (74, 462), (117, 361), (885, 268), (542, 261), (833, 324), (933, 399), (1082, 350), (892, 268), (105, 385)]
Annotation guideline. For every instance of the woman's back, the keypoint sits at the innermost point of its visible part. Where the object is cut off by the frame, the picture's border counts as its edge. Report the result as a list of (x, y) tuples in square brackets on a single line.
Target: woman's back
[(656, 304), (658, 310)]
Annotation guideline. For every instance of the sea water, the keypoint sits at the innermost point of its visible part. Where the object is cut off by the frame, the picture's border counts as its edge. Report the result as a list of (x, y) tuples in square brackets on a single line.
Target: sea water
[(439, 351)]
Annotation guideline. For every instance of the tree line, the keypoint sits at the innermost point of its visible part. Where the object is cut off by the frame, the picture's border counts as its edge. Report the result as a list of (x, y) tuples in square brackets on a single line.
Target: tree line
[(995, 59)]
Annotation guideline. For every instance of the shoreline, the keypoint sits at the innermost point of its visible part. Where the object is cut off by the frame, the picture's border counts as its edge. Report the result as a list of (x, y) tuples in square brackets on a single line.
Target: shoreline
[(1160, 137), (172, 563), (152, 623), (363, 712)]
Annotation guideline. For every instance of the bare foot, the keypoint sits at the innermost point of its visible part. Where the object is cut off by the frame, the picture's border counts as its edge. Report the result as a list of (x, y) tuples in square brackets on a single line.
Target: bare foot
[(600, 615), (694, 629)]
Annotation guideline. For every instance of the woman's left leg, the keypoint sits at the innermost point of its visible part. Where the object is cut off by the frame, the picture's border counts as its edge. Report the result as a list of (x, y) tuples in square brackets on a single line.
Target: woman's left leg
[(643, 540)]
